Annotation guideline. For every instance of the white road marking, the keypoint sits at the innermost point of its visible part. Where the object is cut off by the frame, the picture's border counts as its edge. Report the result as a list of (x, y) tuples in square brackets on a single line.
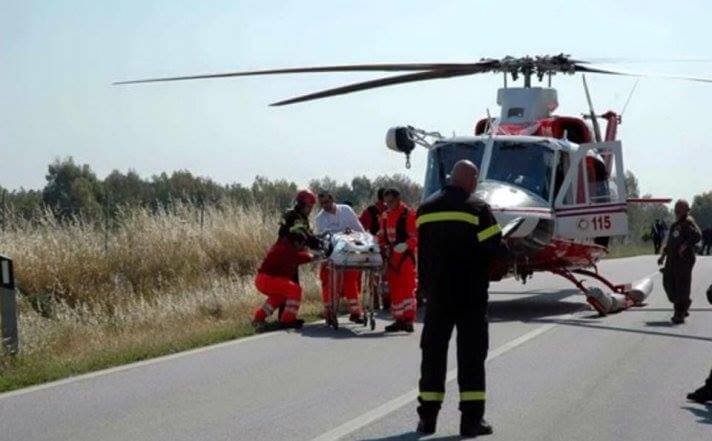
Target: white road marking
[(410, 396)]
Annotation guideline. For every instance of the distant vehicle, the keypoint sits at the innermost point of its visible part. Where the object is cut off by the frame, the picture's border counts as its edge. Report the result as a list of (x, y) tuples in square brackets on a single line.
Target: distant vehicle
[(558, 178)]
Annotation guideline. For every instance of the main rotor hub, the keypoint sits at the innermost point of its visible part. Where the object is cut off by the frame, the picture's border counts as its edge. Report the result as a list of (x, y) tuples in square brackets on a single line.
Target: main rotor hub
[(538, 65)]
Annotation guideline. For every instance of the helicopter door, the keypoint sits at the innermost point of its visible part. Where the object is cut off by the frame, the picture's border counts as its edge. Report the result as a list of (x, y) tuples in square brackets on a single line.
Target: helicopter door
[(591, 202)]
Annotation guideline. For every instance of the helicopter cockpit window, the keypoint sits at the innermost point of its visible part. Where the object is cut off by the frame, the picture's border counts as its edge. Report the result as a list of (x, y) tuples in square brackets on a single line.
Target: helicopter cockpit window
[(528, 165), (601, 186), (515, 112), (442, 158)]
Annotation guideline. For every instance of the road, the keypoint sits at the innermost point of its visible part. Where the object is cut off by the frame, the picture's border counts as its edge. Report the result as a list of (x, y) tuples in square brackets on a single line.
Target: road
[(556, 372)]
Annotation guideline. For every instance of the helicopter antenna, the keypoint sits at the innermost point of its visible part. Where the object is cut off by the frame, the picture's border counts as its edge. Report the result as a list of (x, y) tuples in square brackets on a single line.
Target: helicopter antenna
[(630, 95), (594, 120)]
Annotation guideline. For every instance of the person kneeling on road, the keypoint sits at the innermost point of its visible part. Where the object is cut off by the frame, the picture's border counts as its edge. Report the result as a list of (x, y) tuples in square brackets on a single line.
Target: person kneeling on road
[(276, 279)]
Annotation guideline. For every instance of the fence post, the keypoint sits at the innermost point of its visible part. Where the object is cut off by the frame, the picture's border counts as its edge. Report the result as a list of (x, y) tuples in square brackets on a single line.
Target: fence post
[(8, 306)]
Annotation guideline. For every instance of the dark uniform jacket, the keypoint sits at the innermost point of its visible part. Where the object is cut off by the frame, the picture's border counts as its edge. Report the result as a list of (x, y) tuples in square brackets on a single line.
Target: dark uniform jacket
[(295, 218), (682, 232), (458, 239)]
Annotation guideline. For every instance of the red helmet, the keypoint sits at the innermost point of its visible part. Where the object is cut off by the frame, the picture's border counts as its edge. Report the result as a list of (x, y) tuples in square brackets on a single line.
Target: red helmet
[(305, 197)]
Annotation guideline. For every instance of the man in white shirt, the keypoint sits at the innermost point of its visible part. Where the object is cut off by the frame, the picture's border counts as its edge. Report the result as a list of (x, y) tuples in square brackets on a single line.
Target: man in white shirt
[(339, 218)]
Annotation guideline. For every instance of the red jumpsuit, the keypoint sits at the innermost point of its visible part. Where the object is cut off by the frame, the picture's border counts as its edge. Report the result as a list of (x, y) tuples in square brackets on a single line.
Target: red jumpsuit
[(347, 283), (398, 227), (275, 279)]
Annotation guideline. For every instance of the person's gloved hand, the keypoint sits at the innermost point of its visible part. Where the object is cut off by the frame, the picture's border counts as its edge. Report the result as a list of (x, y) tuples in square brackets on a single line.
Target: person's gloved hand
[(400, 247), (661, 259)]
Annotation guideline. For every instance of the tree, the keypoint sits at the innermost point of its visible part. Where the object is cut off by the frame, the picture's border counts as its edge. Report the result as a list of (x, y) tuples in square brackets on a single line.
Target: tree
[(274, 195), (72, 190), (127, 190), (702, 209), (411, 192)]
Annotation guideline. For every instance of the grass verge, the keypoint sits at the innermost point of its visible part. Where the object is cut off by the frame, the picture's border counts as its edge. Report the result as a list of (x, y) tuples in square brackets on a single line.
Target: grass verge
[(75, 341), (629, 250)]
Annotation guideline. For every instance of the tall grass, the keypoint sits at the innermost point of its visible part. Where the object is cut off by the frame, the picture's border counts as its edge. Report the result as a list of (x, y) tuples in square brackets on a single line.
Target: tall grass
[(145, 284), (138, 254)]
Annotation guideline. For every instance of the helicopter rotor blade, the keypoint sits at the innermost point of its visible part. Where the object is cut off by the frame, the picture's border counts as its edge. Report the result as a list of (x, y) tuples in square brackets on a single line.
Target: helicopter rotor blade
[(597, 70), (379, 67), (624, 60), (381, 82)]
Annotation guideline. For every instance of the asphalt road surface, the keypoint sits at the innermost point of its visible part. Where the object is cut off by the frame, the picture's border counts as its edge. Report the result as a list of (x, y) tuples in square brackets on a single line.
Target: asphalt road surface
[(556, 372)]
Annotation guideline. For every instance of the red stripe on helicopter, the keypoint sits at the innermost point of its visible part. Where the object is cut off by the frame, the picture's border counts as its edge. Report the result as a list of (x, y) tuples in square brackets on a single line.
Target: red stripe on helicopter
[(523, 210), (597, 207), (583, 213)]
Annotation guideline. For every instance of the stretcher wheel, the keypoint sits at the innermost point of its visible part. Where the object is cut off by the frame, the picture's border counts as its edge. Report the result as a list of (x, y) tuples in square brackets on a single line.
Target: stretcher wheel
[(373, 321)]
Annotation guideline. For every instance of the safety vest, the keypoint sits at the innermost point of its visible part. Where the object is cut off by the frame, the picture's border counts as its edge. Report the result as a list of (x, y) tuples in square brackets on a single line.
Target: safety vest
[(401, 235)]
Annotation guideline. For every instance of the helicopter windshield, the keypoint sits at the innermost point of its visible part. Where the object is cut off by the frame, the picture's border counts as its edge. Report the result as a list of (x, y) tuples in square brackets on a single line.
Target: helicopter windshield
[(443, 158), (527, 165)]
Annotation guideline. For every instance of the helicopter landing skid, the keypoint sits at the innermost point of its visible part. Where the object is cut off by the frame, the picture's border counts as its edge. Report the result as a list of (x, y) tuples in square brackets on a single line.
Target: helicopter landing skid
[(621, 298)]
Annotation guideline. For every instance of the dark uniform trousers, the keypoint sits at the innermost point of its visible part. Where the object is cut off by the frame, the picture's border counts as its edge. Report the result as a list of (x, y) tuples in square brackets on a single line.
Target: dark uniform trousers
[(458, 238), (472, 346), (677, 273)]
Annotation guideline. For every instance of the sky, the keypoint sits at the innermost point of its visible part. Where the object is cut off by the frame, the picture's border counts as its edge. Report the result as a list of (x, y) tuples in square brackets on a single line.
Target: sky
[(58, 60)]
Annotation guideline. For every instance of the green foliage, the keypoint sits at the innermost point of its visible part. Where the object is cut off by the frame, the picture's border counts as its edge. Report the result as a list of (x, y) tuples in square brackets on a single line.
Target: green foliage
[(74, 191), (702, 209), (642, 215), (362, 190)]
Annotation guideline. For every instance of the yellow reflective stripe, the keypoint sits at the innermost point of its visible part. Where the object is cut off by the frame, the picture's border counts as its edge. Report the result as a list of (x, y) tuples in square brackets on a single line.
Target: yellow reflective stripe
[(432, 396), (488, 232), (444, 216), (475, 395)]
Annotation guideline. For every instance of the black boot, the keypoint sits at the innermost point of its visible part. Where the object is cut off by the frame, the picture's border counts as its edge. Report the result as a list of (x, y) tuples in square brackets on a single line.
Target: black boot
[(428, 419), (472, 427), (356, 318), (294, 324), (701, 395), (426, 427), (407, 327), (393, 327)]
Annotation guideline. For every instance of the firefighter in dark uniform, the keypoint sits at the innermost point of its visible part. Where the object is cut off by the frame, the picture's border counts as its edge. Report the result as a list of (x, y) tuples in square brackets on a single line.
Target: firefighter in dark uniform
[(458, 238), (299, 216), (704, 393), (679, 258)]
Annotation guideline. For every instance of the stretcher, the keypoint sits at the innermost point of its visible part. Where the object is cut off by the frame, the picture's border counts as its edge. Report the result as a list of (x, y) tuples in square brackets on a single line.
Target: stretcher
[(353, 251)]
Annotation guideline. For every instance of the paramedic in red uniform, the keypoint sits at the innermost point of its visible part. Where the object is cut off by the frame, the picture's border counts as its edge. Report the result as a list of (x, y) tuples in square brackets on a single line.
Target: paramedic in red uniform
[(371, 217), (339, 218), (276, 279), (371, 220), (399, 239)]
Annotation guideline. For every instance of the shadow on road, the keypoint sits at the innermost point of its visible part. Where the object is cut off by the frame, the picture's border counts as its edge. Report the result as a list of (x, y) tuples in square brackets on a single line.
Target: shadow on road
[(544, 304), (661, 324), (702, 411), (410, 436), (348, 330), (621, 329)]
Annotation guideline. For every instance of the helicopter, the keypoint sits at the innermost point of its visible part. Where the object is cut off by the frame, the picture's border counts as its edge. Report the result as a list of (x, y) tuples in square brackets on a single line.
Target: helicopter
[(556, 183)]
